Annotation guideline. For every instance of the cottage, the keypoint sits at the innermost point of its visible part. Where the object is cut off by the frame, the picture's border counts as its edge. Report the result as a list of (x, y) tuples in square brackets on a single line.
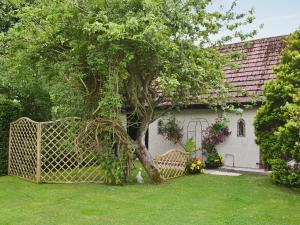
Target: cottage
[(239, 149)]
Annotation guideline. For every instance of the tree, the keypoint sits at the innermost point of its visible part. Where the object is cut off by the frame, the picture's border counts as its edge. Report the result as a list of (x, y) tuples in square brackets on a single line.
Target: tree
[(34, 98), (7, 16), (101, 57), (277, 130)]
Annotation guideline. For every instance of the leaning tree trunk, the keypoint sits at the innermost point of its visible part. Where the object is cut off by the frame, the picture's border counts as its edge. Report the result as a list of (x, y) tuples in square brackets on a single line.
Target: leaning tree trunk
[(146, 158)]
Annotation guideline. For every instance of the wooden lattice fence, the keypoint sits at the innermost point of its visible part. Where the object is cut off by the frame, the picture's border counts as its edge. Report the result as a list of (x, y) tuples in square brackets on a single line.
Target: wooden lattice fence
[(66, 151), (172, 163), (63, 151)]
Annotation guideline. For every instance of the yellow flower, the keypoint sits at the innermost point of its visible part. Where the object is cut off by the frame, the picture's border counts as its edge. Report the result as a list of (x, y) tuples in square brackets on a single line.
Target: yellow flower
[(193, 164), (192, 168), (222, 159), (198, 167), (216, 160), (203, 171), (198, 162)]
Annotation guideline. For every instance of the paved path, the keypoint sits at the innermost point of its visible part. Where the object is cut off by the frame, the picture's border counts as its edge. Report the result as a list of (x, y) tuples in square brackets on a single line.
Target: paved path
[(241, 170), (222, 173)]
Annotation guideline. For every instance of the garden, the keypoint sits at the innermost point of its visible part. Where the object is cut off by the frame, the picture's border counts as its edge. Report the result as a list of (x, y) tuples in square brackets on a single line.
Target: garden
[(77, 96)]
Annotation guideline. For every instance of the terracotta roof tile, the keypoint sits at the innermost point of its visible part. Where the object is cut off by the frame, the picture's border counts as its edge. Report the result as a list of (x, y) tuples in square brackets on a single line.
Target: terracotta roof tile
[(256, 69)]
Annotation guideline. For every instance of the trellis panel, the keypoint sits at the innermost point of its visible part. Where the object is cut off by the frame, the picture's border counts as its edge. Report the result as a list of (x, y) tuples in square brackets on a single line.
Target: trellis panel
[(23, 144), (62, 151), (172, 163)]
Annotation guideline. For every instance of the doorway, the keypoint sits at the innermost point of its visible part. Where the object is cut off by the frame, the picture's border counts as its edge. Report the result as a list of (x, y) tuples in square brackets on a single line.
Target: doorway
[(132, 128)]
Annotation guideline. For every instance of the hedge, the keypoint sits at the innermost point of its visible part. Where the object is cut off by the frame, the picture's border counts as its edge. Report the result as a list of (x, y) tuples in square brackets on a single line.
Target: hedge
[(9, 111)]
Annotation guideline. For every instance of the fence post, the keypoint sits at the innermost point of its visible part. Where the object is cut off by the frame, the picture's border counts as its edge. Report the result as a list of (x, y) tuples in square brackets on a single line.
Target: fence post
[(9, 150), (38, 152)]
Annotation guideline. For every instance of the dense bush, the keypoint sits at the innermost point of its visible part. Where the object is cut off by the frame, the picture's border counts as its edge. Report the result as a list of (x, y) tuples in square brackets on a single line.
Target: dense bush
[(9, 111), (36, 103), (214, 160), (276, 129), (283, 174)]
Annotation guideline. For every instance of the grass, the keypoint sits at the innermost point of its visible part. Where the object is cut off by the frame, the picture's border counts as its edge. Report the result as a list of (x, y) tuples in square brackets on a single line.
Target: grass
[(199, 199), (94, 173)]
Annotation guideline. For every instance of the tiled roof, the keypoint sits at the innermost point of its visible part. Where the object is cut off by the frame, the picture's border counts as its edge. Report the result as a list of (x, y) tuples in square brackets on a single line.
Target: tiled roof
[(256, 69)]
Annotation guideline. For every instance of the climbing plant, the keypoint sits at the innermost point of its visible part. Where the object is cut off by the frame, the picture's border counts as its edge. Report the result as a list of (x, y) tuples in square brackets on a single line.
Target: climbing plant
[(215, 134)]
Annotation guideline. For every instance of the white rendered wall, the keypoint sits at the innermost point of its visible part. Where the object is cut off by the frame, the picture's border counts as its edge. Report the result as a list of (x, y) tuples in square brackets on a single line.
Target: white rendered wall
[(242, 150), (158, 145)]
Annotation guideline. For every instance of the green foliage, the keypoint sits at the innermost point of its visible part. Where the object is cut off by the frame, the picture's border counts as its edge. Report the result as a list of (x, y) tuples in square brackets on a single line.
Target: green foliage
[(36, 104), (195, 166), (8, 11), (114, 158), (170, 129), (9, 111), (113, 167), (97, 56), (282, 174), (6, 17), (78, 47), (34, 99), (276, 129), (214, 160), (189, 145)]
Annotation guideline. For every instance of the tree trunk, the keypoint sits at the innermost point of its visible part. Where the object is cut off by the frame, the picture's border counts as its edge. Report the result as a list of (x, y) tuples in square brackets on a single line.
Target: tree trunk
[(146, 158), (148, 163)]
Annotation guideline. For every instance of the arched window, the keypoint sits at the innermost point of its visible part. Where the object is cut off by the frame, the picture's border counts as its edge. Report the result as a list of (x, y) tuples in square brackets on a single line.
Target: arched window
[(241, 128)]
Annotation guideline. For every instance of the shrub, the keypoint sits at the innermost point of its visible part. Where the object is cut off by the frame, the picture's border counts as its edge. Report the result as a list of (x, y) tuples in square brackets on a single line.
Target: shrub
[(114, 167), (283, 174), (214, 160), (195, 166), (9, 111), (277, 133)]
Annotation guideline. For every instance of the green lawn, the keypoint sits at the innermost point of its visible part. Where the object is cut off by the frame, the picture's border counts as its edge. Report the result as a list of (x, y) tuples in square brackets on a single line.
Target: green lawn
[(200, 199)]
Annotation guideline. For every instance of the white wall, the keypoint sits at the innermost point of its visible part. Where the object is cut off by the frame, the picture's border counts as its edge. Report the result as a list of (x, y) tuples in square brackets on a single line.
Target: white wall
[(158, 145), (244, 150)]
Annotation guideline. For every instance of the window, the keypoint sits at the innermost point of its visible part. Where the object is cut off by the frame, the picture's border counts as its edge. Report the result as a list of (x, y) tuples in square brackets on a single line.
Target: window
[(241, 128)]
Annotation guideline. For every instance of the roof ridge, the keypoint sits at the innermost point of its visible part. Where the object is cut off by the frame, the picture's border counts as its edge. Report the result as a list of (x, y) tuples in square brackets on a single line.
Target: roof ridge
[(257, 39)]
